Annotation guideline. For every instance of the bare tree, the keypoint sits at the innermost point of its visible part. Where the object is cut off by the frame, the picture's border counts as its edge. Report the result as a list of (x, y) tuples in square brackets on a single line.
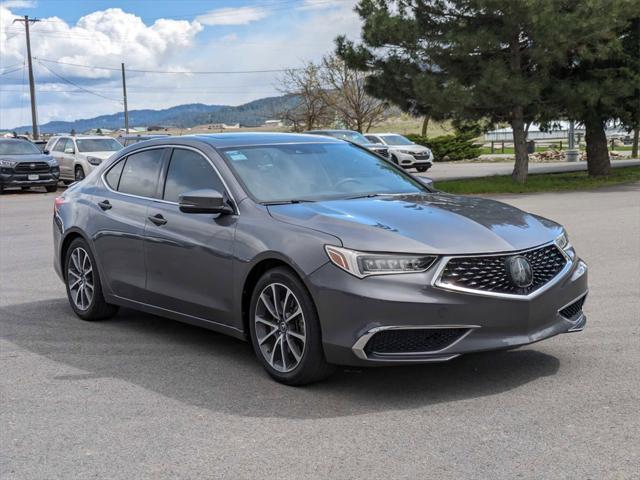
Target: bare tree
[(310, 109), (344, 90)]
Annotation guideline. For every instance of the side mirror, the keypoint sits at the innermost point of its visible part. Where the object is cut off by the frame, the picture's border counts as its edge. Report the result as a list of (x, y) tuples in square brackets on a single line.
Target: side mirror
[(69, 150), (204, 201), (426, 181)]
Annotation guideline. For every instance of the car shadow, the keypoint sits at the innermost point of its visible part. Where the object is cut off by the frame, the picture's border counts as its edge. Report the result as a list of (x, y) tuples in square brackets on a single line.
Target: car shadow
[(216, 372)]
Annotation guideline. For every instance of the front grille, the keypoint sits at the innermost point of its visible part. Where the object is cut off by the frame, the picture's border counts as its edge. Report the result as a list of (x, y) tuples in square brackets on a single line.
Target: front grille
[(421, 157), (574, 310), (489, 273), (32, 167), (412, 341)]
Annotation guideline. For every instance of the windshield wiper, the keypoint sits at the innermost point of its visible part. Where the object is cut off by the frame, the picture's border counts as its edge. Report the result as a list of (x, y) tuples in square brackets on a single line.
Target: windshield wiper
[(287, 202), (366, 195)]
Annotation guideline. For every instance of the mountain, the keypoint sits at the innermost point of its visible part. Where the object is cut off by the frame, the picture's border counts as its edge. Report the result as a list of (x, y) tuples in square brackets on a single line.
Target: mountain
[(251, 114)]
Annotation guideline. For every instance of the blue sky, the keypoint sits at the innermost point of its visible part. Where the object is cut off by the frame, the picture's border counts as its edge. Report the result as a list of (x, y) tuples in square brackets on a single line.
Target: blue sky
[(158, 35)]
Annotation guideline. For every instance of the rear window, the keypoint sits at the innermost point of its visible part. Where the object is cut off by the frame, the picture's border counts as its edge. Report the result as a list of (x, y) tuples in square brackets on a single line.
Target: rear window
[(140, 173)]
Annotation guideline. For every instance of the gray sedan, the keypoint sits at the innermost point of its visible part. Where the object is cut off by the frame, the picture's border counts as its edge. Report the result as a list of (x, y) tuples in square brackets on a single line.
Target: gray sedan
[(313, 249)]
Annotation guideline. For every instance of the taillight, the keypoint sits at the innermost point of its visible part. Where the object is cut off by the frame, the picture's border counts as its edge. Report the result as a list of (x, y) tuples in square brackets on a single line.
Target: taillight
[(57, 203)]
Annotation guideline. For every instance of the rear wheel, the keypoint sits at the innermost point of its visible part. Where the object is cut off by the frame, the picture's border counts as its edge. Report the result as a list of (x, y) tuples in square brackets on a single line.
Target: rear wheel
[(285, 330), (79, 173), (83, 283)]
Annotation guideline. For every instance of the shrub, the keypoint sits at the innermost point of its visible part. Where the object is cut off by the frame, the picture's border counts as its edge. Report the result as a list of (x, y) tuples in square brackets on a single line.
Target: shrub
[(449, 147)]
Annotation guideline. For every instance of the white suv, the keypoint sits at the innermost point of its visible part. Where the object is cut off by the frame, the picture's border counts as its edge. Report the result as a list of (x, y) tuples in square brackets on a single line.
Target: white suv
[(77, 156), (403, 151)]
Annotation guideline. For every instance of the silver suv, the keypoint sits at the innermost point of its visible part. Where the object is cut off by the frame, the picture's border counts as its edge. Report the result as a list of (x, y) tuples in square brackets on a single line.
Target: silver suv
[(77, 156)]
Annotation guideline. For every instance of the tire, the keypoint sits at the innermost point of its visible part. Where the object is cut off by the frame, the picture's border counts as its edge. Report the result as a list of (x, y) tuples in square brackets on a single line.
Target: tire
[(51, 188), (79, 174), (88, 306), (422, 169), (394, 159), (286, 357), (66, 183)]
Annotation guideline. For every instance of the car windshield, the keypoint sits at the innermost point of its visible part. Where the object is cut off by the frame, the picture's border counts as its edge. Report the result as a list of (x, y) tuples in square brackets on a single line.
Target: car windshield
[(354, 137), (397, 140), (18, 148), (98, 145), (313, 172)]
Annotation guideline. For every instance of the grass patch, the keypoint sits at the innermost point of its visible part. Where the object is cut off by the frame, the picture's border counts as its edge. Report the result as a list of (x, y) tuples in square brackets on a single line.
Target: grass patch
[(544, 182)]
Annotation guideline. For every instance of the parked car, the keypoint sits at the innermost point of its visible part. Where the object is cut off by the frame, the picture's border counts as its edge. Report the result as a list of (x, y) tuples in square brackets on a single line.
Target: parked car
[(315, 250), (24, 166), (41, 144), (127, 140), (354, 137), (403, 151), (77, 156)]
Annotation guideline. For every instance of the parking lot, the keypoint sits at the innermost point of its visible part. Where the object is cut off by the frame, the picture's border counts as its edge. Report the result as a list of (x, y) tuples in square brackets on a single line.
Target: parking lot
[(144, 397)]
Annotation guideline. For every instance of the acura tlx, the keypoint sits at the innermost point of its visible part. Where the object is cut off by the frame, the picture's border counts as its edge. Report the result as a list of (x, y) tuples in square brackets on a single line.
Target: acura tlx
[(317, 251)]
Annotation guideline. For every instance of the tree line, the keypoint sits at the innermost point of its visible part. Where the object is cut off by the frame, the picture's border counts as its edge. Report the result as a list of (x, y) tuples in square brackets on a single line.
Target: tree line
[(501, 61)]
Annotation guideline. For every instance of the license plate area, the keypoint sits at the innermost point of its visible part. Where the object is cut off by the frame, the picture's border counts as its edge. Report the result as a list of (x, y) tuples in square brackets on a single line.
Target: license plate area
[(33, 177)]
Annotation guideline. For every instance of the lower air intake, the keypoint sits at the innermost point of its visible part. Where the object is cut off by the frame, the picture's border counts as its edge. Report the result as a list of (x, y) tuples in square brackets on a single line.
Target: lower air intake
[(412, 341), (573, 310)]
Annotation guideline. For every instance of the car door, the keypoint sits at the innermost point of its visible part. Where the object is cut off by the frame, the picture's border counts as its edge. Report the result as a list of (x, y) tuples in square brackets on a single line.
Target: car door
[(66, 169), (120, 218), (189, 256)]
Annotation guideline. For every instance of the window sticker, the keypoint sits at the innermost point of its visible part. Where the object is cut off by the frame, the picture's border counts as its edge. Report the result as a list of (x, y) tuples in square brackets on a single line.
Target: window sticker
[(236, 156)]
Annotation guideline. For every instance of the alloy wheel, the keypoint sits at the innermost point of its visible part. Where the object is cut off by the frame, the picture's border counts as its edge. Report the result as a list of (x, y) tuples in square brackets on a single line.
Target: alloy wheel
[(79, 174), (280, 327), (80, 278)]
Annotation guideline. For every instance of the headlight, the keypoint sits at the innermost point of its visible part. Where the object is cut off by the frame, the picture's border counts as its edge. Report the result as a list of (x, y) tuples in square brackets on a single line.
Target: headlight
[(8, 163), (94, 160), (362, 264), (563, 240), (52, 162)]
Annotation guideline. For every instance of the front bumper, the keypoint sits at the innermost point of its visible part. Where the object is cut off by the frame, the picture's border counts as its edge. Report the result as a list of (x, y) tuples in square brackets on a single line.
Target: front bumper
[(407, 160), (353, 310), (9, 178)]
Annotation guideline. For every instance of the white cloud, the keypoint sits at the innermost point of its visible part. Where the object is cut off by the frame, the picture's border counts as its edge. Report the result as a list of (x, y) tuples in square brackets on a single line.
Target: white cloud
[(112, 36), (18, 4), (232, 16)]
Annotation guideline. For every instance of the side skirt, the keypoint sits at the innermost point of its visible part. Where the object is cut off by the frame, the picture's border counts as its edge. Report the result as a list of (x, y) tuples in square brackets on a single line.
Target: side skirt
[(180, 317)]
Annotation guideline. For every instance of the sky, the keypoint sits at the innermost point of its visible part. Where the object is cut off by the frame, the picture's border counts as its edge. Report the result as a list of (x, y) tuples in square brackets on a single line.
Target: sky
[(182, 37)]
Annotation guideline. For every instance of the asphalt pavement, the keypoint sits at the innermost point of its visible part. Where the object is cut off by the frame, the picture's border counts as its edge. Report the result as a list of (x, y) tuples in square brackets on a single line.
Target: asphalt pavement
[(140, 397)]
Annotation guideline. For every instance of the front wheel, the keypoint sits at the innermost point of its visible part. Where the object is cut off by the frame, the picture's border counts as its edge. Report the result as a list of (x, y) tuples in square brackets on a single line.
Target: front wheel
[(82, 279), (285, 330), (79, 174)]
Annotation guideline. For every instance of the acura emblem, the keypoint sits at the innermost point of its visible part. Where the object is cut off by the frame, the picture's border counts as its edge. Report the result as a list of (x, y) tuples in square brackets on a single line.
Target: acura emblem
[(519, 271)]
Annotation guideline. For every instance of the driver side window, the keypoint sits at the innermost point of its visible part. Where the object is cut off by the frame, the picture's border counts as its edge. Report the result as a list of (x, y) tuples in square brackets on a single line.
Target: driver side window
[(188, 171)]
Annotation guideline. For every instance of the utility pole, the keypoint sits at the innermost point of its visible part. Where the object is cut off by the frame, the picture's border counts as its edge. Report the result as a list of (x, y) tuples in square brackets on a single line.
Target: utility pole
[(32, 83), (124, 92)]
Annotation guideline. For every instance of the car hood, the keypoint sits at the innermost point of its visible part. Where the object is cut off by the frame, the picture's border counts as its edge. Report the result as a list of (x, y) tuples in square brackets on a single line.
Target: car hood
[(422, 223), (34, 157), (409, 148), (101, 155)]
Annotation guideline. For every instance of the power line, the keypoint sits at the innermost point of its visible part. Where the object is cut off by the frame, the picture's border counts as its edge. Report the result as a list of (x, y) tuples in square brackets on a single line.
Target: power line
[(78, 86), (11, 71), (193, 72)]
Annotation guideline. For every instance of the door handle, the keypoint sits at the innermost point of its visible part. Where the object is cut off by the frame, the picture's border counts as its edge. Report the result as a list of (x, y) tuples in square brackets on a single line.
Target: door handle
[(105, 205), (158, 219)]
